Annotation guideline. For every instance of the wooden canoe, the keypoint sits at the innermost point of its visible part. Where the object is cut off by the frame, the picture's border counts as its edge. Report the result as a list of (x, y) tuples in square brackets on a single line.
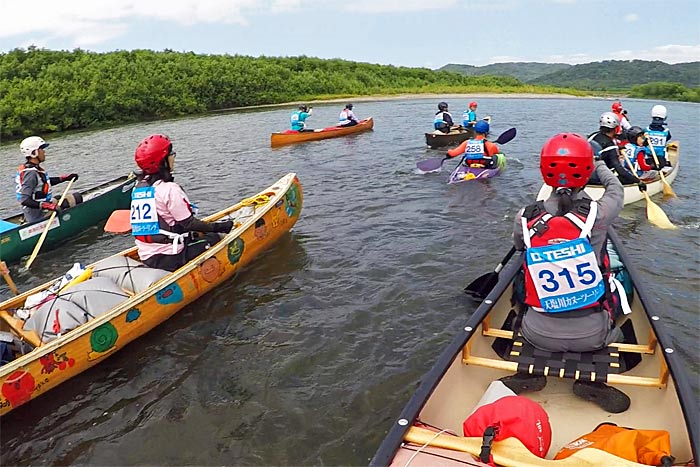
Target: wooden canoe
[(291, 137), (268, 215), (632, 193), (440, 140), (17, 239), (652, 374)]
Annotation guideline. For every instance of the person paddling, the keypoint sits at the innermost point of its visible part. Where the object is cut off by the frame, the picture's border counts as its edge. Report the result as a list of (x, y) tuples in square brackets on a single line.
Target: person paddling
[(477, 152), (347, 117), (163, 220), (298, 118), (443, 119), (33, 184), (609, 152), (568, 291)]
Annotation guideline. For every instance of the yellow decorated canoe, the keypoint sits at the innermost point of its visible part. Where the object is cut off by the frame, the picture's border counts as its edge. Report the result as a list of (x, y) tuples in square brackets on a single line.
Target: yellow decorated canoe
[(291, 137), (39, 366)]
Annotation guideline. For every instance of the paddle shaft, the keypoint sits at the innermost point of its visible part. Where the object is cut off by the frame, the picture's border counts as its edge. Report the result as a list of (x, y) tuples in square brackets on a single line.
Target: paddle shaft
[(667, 187), (48, 226), (6, 274)]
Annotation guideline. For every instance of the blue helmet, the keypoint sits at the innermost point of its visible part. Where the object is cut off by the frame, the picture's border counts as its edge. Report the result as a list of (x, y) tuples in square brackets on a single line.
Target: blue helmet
[(482, 126)]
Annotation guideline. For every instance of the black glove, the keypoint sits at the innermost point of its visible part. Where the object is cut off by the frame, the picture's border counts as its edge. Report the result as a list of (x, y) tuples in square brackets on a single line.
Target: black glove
[(73, 177), (642, 186), (49, 206), (223, 227)]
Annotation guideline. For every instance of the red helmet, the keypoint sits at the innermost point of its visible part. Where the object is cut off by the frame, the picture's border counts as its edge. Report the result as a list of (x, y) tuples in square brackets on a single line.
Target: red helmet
[(472, 104), (617, 106), (151, 151), (566, 160)]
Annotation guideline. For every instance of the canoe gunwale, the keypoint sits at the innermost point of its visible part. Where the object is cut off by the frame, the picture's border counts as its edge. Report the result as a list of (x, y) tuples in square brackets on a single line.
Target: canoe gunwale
[(429, 382)]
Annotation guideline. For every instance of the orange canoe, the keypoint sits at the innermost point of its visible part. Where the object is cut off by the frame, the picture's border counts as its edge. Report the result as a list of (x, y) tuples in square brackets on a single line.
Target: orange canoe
[(291, 137)]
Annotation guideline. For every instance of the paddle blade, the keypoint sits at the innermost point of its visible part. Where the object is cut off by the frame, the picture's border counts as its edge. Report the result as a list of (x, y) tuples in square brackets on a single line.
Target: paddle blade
[(506, 136), (430, 165), (119, 222), (668, 191), (481, 286), (657, 216)]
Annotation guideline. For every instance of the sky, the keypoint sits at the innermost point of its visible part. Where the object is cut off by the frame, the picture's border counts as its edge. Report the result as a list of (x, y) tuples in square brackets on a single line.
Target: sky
[(414, 33)]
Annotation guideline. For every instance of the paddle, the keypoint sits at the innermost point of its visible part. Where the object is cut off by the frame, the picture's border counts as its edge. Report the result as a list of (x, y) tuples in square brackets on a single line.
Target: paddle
[(668, 191), (119, 222), (482, 285), (6, 274), (431, 165), (655, 214), (48, 225)]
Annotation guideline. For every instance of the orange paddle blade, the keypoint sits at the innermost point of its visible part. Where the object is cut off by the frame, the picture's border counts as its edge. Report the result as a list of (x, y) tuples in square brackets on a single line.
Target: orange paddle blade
[(119, 222)]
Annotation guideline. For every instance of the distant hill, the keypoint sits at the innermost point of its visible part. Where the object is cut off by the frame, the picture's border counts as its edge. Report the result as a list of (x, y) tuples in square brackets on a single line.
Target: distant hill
[(524, 71), (598, 76)]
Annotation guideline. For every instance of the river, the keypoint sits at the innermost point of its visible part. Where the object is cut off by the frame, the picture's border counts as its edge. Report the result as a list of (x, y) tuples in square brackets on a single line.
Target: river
[(308, 355)]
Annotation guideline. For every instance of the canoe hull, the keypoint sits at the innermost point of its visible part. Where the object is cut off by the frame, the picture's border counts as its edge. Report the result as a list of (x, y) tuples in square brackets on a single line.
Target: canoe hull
[(282, 139), (441, 140), (98, 205), (50, 364), (657, 385), (632, 193)]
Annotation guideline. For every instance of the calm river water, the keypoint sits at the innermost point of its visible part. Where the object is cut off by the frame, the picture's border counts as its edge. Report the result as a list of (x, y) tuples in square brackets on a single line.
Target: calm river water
[(308, 355)]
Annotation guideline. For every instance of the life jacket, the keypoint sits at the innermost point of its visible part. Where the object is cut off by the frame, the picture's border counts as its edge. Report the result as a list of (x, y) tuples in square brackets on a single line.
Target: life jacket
[(476, 154), (466, 120), (439, 121), (146, 224), (343, 119), (620, 116), (42, 192), (296, 123), (630, 152), (658, 139), (561, 270)]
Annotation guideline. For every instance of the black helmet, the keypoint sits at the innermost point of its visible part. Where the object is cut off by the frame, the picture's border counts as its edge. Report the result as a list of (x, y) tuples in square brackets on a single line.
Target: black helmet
[(303, 107), (348, 106), (442, 106), (633, 133)]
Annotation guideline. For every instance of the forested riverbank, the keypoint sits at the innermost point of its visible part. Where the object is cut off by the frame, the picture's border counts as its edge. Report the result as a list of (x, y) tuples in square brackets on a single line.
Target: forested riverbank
[(47, 91)]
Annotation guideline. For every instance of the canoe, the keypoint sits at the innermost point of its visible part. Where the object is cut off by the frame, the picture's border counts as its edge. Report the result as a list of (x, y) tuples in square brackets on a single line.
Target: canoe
[(441, 140), (651, 373), (291, 137), (149, 297), (462, 173), (17, 240), (632, 193)]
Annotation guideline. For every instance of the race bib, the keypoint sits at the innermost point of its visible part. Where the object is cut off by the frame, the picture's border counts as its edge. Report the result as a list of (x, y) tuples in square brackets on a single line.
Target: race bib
[(566, 275), (144, 217), (657, 140), (474, 147)]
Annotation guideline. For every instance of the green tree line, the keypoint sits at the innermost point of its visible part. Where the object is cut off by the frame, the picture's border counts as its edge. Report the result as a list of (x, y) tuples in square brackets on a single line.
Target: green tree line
[(45, 91)]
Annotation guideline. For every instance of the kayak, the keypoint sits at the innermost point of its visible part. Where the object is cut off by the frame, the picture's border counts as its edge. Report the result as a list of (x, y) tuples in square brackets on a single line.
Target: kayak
[(291, 136), (439, 139), (646, 366), (18, 239), (632, 193), (462, 173), (122, 299)]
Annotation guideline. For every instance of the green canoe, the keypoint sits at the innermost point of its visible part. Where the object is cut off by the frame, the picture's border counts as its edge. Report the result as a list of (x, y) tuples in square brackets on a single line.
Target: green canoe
[(18, 240)]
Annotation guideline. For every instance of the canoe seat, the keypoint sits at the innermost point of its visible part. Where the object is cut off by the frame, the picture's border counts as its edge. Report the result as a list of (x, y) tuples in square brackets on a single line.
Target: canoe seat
[(604, 365)]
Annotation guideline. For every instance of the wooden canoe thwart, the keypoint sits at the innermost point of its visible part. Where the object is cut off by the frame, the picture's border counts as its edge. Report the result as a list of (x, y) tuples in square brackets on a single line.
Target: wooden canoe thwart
[(18, 239), (144, 298), (440, 140), (632, 193), (644, 365), (291, 137)]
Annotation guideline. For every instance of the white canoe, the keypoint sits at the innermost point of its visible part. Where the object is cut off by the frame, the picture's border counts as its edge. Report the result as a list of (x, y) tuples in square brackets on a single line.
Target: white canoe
[(632, 193)]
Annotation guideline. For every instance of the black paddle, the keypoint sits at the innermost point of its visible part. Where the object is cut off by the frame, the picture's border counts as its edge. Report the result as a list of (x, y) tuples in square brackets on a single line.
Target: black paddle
[(431, 165), (482, 285)]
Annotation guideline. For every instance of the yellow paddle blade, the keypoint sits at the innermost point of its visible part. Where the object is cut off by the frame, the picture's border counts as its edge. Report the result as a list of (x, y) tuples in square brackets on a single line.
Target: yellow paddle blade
[(656, 215), (511, 452), (668, 191)]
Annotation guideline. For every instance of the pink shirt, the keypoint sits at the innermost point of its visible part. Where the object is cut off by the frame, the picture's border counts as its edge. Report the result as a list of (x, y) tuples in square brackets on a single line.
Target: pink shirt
[(173, 206)]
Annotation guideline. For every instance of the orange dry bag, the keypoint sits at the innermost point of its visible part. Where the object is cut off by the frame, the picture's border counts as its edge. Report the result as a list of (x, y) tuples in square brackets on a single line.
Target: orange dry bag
[(648, 447)]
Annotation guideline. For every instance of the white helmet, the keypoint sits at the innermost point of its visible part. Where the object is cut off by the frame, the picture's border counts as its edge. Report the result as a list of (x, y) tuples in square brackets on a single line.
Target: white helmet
[(609, 120), (28, 146), (658, 111)]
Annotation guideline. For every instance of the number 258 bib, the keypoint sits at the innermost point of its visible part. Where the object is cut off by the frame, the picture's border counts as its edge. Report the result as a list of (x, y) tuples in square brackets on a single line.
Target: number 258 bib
[(566, 275)]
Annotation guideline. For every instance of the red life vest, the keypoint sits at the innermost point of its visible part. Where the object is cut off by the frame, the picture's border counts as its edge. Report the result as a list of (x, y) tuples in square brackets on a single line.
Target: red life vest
[(544, 229)]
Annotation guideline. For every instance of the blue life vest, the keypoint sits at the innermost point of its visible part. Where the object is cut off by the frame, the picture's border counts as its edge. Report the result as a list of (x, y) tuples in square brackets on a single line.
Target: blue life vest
[(297, 120), (658, 139), (44, 189), (630, 152), (468, 118), (475, 149), (439, 121)]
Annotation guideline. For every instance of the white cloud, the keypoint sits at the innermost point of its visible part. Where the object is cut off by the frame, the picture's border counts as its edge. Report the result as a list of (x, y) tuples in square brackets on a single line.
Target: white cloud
[(397, 6), (631, 18)]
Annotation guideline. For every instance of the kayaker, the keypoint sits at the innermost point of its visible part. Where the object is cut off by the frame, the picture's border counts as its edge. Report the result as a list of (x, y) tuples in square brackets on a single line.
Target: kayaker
[(636, 152), (570, 304), (298, 118), (443, 120), (163, 220), (477, 152), (469, 115), (347, 118), (609, 151), (33, 184), (621, 115), (659, 136)]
